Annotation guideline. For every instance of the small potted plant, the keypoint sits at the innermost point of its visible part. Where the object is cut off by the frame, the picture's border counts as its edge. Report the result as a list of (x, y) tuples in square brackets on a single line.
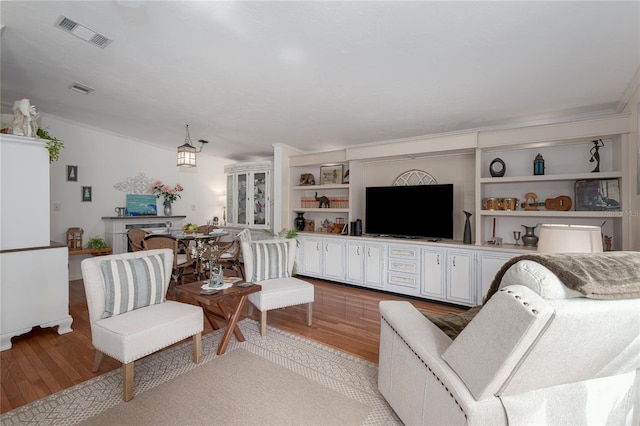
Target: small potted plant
[(99, 245)]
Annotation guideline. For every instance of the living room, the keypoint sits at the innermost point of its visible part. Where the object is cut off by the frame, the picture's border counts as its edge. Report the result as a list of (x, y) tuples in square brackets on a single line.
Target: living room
[(108, 156)]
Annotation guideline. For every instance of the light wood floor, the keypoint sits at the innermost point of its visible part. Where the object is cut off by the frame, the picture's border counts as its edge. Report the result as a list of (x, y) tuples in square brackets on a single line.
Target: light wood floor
[(42, 362)]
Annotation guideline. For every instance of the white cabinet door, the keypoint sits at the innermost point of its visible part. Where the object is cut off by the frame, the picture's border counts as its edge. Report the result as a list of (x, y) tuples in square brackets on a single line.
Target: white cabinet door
[(374, 265), (433, 273), (489, 263), (355, 263), (460, 277), (365, 264), (334, 259), (312, 257)]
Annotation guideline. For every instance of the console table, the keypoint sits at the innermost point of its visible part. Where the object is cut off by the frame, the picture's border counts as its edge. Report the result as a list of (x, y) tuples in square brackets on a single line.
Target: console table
[(116, 228)]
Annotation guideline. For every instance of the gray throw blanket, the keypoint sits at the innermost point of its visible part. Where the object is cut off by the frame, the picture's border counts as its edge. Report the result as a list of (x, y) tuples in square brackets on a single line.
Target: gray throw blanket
[(609, 275)]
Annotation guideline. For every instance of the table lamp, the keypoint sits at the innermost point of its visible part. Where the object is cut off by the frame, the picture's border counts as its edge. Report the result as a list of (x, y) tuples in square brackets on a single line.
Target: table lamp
[(570, 239)]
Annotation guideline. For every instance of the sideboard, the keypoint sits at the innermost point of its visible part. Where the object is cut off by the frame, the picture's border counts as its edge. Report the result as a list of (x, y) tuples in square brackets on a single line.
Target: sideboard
[(445, 271)]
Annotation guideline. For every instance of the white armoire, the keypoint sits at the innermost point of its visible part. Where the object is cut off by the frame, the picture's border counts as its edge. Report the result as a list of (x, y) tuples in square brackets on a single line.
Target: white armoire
[(34, 274)]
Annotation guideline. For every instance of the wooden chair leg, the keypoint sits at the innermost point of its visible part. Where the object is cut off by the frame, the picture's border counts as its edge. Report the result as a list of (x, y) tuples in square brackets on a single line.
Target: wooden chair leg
[(263, 323), (241, 268), (250, 309), (127, 382), (97, 360), (309, 313), (197, 348)]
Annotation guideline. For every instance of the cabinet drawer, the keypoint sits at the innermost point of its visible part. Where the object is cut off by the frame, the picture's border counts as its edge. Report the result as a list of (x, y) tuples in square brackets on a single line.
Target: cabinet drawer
[(405, 266), (403, 280), (404, 252)]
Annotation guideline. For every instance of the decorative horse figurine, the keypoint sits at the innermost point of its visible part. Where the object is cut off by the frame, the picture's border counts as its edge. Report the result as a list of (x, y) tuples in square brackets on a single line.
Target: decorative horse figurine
[(323, 201)]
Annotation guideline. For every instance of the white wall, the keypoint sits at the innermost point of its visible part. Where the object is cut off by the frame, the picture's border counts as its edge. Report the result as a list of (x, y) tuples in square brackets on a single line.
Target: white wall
[(633, 106), (456, 169), (105, 159)]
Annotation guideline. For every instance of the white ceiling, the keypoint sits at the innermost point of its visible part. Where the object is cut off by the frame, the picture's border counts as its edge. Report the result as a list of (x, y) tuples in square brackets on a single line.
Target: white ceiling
[(318, 75)]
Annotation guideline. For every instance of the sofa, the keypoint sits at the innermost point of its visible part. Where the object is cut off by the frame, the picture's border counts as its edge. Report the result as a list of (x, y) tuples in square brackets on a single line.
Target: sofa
[(538, 351)]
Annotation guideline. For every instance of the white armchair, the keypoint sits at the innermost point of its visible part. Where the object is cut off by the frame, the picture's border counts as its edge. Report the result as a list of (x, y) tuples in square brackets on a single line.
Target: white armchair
[(270, 264), (128, 311), (536, 353)]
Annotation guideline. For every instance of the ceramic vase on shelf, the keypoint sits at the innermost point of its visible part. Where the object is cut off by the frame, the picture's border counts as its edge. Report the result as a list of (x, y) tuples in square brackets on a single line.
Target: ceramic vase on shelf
[(467, 228), (530, 239), (300, 221), (167, 208)]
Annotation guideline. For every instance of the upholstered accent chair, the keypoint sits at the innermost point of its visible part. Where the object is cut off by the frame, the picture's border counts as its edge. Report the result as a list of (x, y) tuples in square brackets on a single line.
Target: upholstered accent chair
[(537, 352), (128, 311), (270, 264)]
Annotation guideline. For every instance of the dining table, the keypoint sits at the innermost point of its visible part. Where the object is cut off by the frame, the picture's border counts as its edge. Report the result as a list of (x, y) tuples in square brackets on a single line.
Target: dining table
[(193, 236)]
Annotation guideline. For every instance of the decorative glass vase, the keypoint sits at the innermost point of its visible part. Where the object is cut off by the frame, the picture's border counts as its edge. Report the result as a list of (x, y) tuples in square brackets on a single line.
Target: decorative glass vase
[(216, 276), (167, 207)]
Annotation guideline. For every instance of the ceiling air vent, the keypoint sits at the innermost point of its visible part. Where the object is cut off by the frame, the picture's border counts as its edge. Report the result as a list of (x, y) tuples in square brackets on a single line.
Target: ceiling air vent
[(82, 32), (81, 88)]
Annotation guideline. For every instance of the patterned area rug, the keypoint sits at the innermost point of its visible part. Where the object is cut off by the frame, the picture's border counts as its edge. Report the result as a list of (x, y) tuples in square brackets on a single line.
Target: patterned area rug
[(328, 370)]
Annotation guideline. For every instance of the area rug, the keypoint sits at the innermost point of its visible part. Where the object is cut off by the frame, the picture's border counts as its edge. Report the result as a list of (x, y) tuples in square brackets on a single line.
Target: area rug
[(277, 379)]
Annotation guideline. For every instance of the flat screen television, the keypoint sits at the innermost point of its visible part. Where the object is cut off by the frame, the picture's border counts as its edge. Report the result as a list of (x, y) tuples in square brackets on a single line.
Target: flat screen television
[(421, 211)]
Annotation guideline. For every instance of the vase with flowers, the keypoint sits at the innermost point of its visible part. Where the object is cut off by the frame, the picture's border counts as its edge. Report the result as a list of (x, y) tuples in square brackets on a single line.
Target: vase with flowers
[(206, 254), (169, 194)]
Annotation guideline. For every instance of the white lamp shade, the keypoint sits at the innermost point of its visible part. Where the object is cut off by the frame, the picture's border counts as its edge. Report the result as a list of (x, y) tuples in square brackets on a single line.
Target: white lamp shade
[(570, 239)]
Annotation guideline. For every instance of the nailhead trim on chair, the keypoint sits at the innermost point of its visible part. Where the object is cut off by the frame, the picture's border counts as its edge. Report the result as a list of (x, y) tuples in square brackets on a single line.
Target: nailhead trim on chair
[(152, 350), (534, 311), (428, 368)]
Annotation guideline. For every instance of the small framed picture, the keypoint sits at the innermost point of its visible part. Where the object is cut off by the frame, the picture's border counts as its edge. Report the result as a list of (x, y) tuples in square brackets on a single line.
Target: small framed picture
[(331, 175), (72, 173), (86, 193), (598, 194)]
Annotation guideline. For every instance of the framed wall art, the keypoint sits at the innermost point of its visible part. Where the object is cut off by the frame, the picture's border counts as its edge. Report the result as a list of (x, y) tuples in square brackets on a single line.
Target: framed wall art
[(331, 175), (141, 205), (72, 173), (598, 194), (86, 194)]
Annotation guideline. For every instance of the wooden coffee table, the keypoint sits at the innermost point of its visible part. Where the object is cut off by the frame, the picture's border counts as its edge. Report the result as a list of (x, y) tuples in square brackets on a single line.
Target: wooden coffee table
[(235, 294)]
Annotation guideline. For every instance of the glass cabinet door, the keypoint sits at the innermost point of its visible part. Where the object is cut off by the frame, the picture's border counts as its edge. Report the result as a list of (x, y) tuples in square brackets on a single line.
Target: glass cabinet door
[(248, 192), (229, 215), (241, 217), (259, 198)]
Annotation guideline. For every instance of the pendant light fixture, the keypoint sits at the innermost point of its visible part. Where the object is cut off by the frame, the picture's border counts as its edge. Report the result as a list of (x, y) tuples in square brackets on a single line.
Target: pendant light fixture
[(187, 152)]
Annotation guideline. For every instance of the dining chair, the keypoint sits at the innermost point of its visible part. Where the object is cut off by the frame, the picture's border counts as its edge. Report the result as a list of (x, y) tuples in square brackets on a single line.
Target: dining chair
[(205, 229), (230, 257), (183, 263), (135, 237)]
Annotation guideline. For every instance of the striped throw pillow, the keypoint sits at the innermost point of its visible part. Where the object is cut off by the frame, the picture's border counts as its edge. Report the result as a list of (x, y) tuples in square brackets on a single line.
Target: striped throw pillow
[(270, 260), (132, 283)]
